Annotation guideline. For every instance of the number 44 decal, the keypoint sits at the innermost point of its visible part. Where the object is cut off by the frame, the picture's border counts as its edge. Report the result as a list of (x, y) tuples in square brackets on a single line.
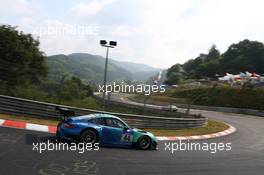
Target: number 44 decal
[(127, 137)]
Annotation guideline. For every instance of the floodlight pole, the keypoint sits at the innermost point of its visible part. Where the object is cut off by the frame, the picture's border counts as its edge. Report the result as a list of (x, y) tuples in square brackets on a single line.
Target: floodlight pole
[(111, 44), (105, 76)]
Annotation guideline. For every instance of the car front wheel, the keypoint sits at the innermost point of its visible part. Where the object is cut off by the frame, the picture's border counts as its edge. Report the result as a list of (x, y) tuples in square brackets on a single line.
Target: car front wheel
[(144, 143)]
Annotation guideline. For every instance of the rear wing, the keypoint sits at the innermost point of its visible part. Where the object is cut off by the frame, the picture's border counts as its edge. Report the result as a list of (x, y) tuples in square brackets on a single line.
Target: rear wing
[(65, 113)]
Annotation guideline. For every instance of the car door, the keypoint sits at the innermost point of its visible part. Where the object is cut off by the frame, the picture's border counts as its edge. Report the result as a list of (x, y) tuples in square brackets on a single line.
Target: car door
[(115, 132)]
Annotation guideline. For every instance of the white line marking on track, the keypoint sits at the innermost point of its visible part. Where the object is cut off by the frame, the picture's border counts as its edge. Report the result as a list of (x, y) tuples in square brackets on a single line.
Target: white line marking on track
[(1, 122)]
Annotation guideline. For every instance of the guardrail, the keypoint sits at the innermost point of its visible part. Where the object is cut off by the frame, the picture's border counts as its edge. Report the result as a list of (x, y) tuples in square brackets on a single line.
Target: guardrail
[(19, 106)]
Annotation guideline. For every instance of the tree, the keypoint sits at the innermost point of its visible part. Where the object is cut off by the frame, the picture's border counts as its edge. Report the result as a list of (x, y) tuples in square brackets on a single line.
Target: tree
[(211, 63), (243, 56), (240, 57), (213, 54), (174, 75), (205, 65), (21, 61), (70, 89)]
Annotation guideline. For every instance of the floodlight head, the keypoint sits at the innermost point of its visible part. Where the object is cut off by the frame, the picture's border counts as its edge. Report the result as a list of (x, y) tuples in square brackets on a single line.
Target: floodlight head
[(103, 42), (112, 43)]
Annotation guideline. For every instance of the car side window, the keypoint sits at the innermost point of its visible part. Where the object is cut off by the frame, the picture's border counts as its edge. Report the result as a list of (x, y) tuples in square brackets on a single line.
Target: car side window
[(97, 121), (114, 123)]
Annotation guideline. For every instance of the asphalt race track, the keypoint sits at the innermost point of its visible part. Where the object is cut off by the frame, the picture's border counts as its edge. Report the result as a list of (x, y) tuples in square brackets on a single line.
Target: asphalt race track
[(245, 158)]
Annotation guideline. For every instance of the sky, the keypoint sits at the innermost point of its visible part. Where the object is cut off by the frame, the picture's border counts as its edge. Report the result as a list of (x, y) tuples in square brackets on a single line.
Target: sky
[(159, 33)]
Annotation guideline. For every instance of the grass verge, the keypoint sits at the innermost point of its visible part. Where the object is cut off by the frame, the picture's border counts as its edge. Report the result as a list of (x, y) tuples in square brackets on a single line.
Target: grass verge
[(211, 127), (158, 100), (169, 99)]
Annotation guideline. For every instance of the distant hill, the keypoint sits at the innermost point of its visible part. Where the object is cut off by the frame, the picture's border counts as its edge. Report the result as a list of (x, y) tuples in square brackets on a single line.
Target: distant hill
[(90, 68), (131, 67), (139, 72)]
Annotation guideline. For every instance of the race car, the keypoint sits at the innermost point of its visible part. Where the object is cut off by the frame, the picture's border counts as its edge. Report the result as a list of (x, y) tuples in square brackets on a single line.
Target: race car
[(105, 129)]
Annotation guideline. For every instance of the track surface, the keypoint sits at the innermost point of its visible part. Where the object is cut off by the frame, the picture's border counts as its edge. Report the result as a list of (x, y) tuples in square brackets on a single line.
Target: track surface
[(245, 158)]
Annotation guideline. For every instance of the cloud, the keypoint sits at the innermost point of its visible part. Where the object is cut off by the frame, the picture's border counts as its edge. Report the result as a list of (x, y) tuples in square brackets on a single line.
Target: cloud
[(179, 30), (18, 7), (159, 33), (90, 8)]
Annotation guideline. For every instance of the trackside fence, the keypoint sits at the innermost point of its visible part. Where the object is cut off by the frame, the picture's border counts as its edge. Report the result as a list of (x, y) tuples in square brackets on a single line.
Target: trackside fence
[(25, 107)]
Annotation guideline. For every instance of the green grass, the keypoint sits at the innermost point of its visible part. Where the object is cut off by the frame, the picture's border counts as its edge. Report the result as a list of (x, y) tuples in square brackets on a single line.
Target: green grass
[(234, 97), (211, 127), (88, 102), (158, 99), (94, 103), (223, 96)]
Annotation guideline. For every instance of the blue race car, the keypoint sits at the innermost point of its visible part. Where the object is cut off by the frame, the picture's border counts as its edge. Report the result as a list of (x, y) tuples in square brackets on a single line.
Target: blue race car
[(105, 129)]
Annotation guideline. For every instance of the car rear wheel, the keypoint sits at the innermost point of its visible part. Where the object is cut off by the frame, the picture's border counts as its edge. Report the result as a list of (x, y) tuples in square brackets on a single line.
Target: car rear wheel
[(144, 142), (89, 136)]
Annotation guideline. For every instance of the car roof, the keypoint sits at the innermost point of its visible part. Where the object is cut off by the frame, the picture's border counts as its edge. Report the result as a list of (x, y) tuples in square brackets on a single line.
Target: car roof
[(106, 116), (96, 115)]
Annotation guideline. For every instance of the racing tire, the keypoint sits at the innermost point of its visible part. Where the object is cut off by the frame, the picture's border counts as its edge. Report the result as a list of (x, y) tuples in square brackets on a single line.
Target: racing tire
[(58, 138), (144, 143), (89, 136)]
